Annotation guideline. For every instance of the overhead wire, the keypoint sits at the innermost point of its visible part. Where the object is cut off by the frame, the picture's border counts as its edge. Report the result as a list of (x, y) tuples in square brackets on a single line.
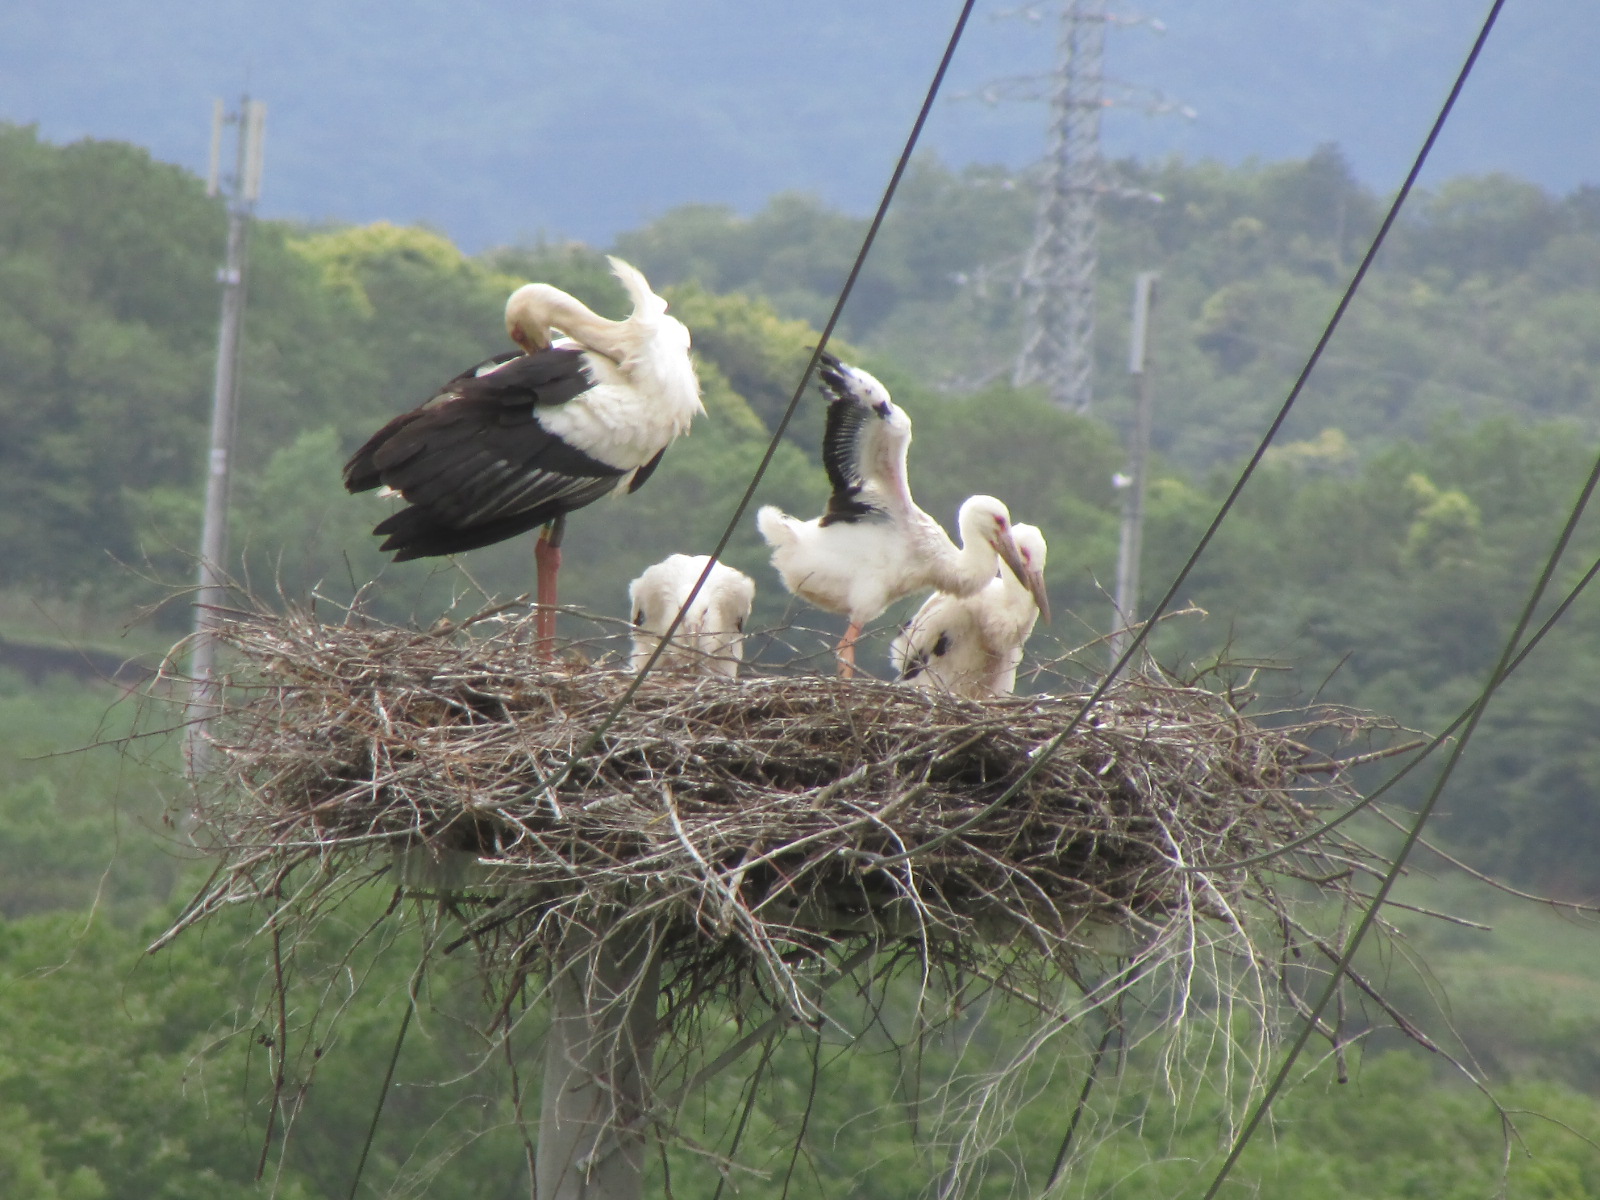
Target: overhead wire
[(1423, 753), (1510, 658), (1514, 653), (901, 164), (1413, 835)]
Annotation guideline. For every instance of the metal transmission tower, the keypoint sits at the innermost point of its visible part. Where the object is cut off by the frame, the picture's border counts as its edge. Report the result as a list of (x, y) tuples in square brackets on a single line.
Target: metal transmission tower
[(1058, 277), (243, 189)]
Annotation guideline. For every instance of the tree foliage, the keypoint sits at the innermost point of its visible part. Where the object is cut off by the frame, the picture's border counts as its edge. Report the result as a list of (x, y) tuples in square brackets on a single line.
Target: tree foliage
[(1379, 558), (1392, 531)]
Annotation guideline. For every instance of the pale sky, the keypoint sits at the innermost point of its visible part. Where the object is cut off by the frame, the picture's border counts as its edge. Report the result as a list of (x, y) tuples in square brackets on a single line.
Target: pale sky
[(495, 120)]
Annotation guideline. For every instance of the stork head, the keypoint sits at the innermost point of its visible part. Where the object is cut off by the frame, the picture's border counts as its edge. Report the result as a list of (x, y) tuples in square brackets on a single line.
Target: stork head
[(532, 311), (711, 636), (840, 381), (988, 518), (1031, 550), (658, 594), (733, 594)]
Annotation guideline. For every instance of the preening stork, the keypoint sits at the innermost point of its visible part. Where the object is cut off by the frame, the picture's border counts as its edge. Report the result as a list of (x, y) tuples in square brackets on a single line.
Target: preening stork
[(873, 545), (971, 646), (521, 440), (710, 639)]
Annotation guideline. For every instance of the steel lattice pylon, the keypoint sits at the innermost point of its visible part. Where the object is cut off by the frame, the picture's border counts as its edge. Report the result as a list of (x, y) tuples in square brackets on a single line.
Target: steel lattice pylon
[(1058, 277)]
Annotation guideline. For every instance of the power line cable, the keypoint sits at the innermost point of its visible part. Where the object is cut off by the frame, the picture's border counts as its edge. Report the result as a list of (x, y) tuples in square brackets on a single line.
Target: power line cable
[(794, 401), (388, 1075), (1422, 754), (1224, 510), (1049, 749), (1413, 835)]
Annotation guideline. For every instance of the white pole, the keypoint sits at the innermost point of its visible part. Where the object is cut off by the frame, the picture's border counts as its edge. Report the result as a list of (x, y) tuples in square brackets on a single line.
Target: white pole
[(245, 189), (1133, 483), (597, 1066)]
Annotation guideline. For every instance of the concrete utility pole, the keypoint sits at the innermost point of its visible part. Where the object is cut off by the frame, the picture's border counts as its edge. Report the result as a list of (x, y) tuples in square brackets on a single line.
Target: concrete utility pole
[(243, 189), (598, 1058), (1133, 483), (1059, 275)]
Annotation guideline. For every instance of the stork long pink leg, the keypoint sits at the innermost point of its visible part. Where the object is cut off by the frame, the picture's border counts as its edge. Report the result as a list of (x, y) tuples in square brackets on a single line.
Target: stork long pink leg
[(847, 651), (547, 565)]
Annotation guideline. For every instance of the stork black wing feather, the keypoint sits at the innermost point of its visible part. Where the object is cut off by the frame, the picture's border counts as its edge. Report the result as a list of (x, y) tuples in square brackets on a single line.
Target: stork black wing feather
[(841, 456), (466, 465), (476, 464), (847, 423), (918, 661), (362, 473), (512, 380), (483, 368), (548, 377), (421, 533), (841, 437), (644, 472), (848, 507)]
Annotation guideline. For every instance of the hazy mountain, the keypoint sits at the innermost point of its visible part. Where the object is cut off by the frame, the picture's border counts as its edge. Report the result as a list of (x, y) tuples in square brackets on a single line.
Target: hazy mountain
[(494, 120)]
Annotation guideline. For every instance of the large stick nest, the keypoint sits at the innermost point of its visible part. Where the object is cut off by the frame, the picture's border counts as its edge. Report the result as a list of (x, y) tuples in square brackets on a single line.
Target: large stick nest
[(756, 822)]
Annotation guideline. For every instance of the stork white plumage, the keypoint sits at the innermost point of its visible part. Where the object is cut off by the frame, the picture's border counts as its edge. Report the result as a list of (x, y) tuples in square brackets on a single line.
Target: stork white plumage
[(522, 439), (873, 545), (971, 646), (710, 639)]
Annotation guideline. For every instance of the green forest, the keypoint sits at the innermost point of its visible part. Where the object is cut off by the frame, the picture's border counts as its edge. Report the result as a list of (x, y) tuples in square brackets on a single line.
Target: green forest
[(1378, 560)]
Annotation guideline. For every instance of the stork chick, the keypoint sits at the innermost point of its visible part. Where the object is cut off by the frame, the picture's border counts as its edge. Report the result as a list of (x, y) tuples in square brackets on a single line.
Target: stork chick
[(710, 638), (971, 646)]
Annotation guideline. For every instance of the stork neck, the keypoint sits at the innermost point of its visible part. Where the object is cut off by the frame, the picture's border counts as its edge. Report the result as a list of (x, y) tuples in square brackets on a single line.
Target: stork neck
[(970, 567), (977, 562), (589, 328), (537, 308)]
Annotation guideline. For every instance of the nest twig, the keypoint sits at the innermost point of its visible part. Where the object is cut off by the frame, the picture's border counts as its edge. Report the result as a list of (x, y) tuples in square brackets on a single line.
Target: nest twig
[(761, 828), (756, 815)]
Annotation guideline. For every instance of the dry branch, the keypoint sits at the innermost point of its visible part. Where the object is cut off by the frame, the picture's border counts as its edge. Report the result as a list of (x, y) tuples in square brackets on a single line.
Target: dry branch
[(748, 817), (761, 831)]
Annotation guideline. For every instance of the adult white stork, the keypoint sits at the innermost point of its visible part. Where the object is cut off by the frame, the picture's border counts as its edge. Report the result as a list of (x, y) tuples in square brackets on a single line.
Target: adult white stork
[(710, 639), (521, 440), (873, 545), (971, 646)]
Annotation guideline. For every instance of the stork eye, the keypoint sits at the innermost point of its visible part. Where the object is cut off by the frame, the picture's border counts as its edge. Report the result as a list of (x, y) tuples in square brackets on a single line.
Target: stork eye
[(883, 408)]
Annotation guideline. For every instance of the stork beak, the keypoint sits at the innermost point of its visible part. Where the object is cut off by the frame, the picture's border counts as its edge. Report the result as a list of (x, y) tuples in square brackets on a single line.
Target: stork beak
[(1030, 577), (531, 341)]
